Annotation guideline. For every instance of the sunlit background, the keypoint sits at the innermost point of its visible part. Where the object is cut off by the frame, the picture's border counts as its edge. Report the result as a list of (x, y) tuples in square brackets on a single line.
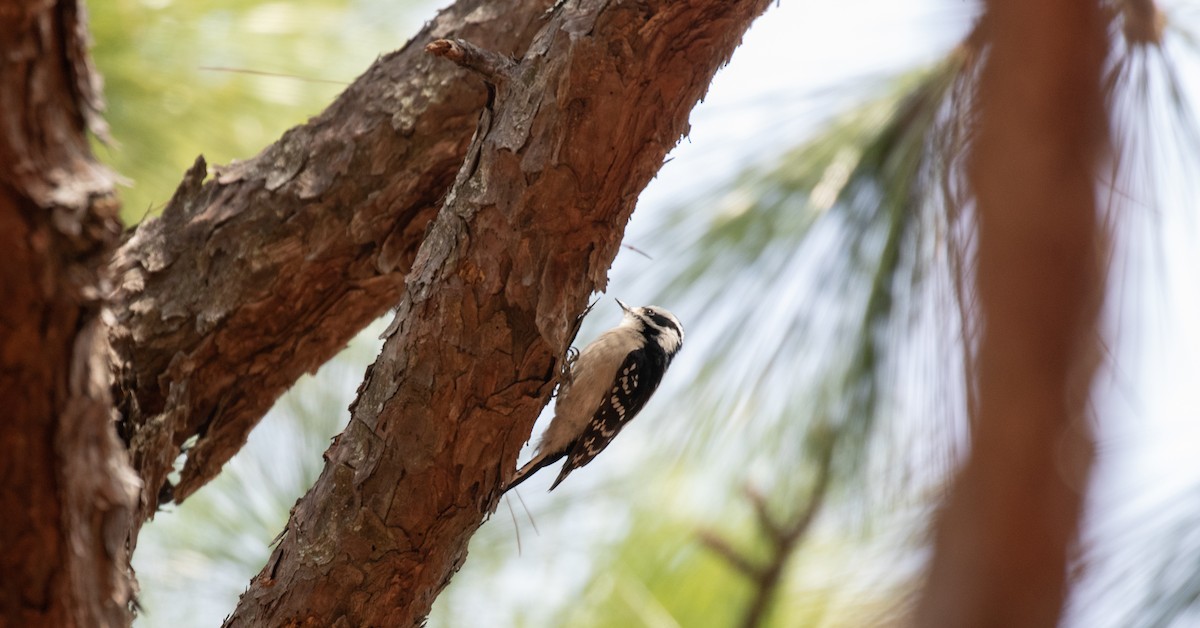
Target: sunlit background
[(806, 236)]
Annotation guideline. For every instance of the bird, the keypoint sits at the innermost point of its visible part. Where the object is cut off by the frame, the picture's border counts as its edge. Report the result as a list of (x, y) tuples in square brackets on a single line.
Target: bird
[(608, 384)]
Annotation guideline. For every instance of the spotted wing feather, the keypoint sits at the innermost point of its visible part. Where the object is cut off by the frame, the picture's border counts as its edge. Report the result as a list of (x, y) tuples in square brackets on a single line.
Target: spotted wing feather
[(637, 379)]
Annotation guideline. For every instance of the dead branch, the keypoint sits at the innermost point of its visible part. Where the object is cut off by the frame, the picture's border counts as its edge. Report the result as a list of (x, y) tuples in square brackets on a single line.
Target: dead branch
[(785, 537)]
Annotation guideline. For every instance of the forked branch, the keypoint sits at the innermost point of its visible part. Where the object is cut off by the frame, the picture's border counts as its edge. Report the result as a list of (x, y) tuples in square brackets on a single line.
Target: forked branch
[(784, 535)]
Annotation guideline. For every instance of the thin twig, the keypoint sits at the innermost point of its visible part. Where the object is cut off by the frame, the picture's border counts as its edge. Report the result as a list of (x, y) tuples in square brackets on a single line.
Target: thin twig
[(494, 68), (637, 250), (217, 68), (776, 532)]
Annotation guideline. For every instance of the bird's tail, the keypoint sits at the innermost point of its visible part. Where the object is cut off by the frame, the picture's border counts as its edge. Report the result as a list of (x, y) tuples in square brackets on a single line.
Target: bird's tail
[(531, 467)]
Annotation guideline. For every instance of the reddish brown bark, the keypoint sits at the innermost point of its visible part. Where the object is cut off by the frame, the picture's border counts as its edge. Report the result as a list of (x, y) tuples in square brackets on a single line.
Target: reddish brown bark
[(254, 277), (526, 234), (65, 487), (265, 271), (1004, 537)]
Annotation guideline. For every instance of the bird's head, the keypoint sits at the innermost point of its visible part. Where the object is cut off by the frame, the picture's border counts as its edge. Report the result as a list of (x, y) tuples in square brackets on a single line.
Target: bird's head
[(657, 324)]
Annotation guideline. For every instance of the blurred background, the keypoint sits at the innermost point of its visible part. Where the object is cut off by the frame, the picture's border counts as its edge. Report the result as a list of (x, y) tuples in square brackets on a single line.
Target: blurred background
[(808, 234)]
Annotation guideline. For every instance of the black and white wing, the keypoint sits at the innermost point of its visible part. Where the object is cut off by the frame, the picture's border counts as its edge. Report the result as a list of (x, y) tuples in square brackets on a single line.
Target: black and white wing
[(637, 379)]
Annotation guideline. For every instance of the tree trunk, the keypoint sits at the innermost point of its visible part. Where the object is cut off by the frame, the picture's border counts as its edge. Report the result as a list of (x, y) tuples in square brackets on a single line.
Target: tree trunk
[(579, 126), (1004, 538), (65, 487)]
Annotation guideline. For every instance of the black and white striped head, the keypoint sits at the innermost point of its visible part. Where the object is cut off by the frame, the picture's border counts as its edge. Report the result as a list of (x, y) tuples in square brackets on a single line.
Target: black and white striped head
[(656, 324)]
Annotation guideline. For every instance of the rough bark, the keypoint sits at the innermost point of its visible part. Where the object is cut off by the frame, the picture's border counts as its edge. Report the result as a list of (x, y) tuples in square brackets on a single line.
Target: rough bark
[(1004, 537), (262, 273), (65, 487), (526, 234)]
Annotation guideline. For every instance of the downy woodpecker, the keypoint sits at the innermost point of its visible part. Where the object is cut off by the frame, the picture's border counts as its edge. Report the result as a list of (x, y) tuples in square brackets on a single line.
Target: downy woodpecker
[(610, 382)]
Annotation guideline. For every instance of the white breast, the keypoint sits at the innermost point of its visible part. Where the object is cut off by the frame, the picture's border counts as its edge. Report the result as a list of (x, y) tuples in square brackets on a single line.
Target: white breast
[(593, 375)]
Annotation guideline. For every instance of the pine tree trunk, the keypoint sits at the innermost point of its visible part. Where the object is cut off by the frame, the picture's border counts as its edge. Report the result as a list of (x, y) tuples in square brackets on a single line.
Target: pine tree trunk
[(66, 492), (1005, 536)]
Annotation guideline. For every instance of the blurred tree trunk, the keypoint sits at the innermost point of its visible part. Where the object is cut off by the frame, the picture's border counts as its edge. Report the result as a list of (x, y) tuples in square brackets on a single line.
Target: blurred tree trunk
[(264, 271), (1004, 538), (65, 487)]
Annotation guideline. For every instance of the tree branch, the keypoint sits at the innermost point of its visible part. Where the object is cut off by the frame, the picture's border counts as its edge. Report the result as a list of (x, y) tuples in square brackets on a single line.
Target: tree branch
[(1142, 22), (785, 536), (736, 558), (523, 239), (265, 271)]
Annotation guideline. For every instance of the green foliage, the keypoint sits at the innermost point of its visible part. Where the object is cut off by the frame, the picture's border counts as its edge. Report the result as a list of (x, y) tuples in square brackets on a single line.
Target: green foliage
[(662, 575), (819, 277), (171, 95)]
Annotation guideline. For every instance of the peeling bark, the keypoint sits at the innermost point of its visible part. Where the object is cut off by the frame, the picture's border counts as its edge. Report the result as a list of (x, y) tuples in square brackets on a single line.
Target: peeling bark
[(265, 271), (527, 232), (1004, 538), (66, 489)]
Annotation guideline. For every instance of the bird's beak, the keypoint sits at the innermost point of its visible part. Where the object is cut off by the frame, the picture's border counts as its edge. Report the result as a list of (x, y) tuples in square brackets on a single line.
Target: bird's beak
[(622, 304)]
